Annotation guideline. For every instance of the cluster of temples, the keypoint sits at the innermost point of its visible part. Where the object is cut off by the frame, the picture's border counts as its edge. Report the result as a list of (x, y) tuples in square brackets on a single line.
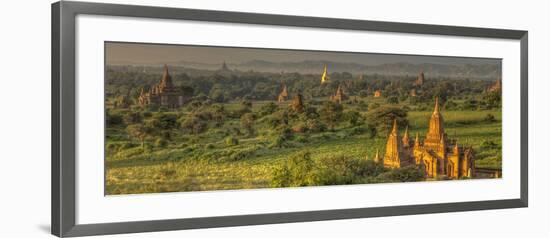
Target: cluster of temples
[(437, 154)]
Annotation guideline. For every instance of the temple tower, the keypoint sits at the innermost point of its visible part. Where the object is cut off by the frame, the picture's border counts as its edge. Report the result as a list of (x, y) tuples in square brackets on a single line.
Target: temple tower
[(436, 132), (283, 95), (394, 149), (166, 84), (339, 96), (420, 80), (164, 93)]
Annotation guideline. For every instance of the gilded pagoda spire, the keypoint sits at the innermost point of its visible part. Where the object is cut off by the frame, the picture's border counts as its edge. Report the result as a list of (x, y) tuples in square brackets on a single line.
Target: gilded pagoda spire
[(416, 141), (324, 77)]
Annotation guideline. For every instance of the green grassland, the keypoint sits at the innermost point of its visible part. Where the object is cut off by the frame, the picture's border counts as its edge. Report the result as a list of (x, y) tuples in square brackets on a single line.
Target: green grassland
[(225, 156)]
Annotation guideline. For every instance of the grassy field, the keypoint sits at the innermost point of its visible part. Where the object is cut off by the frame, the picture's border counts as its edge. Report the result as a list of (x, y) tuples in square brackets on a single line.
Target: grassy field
[(205, 161)]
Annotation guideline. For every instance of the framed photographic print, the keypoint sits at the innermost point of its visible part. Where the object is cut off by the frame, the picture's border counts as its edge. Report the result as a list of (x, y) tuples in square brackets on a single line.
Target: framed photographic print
[(167, 119)]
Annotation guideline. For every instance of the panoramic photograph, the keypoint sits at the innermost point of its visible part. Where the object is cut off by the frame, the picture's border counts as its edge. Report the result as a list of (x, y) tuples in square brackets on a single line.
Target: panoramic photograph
[(181, 118)]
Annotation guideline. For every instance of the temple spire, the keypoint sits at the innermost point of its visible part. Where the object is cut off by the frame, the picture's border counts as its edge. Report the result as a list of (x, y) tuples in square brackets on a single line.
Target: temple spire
[(324, 77), (416, 141), (394, 129), (436, 107), (377, 157), (166, 80), (406, 140), (436, 132)]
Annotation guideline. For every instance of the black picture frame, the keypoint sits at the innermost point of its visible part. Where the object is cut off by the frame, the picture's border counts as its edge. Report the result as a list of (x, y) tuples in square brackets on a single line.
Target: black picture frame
[(63, 118)]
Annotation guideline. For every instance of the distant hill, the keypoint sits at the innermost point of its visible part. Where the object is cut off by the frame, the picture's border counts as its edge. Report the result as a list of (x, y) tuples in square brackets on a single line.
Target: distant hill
[(316, 67), (480, 71)]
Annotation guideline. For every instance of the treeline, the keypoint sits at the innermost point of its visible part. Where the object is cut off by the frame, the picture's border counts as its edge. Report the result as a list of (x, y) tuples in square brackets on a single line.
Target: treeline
[(227, 86)]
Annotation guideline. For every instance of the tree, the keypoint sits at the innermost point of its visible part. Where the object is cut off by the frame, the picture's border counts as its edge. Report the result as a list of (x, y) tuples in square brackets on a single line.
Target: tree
[(392, 100), (194, 124), (132, 118), (218, 114), (331, 113), (382, 118), (164, 121), (247, 122), (492, 99), (268, 109), (140, 132), (353, 117)]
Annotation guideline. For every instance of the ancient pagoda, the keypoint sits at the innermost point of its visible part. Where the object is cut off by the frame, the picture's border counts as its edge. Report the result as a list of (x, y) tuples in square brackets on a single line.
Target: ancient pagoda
[(283, 96), (164, 93), (339, 96), (437, 155), (420, 79)]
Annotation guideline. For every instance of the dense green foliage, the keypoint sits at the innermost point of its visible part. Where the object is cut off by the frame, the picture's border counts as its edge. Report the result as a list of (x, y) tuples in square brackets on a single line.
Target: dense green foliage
[(233, 135)]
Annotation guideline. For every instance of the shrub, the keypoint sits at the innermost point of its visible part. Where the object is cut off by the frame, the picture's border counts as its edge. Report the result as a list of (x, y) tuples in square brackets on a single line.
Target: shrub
[(268, 109), (301, 139), (127, 145), (194, 124), (231, 141), (392, 100), (451, 105), (315, 125), (160, 142), (405, 174), (335, 170), (209, 146), (489, 145), (373, 106), (353, 117), (297, 171), (112, 147), (299, 127), (113, 119), (247, 122), (132, 118), (164, 121), (489, 118)]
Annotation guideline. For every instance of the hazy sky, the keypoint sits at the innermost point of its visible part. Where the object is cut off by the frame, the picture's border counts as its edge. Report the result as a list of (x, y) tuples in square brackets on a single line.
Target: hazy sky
[(128, 53)]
